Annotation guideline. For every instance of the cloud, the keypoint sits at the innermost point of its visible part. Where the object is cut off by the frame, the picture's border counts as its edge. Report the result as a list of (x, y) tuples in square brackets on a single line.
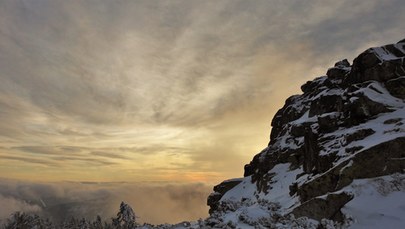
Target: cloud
[(153, 202), (108, 155), (10, 205), (28, 160), (179, 89), (348, 26)]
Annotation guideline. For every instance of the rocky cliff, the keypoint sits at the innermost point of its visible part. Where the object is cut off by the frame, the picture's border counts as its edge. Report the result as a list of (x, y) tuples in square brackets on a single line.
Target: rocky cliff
[(336, 156)]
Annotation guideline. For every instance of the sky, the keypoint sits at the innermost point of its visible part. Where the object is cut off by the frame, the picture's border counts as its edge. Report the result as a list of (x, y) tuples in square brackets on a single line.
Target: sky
[(159, 96)]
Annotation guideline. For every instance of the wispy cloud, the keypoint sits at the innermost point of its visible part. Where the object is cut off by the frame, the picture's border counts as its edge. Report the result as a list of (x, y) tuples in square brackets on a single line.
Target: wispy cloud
[(186, 86), (108, 155)]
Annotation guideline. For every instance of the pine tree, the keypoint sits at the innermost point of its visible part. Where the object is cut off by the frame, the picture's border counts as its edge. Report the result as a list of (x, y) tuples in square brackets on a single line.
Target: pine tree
[(98, 224), (83, 224), (70, 223), (21, 220), (125, 217)]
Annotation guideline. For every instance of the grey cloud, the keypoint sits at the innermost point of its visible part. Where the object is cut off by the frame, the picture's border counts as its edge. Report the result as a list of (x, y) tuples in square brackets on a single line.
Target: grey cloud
[(108, 155), (37, 149), (83, 160), (118, 62), (196, 57), (29, 160), (357, 24)]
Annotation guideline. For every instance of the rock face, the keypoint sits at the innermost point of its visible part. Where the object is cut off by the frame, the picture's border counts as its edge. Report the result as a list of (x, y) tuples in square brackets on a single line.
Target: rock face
[(219, 191), (347, 127)]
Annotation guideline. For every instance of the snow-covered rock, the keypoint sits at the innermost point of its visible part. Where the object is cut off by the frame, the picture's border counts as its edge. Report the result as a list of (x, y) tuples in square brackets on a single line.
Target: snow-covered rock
[(336, 156)]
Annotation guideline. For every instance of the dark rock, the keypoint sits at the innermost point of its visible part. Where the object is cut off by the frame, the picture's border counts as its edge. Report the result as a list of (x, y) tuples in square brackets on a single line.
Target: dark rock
[(311, 151), (262, 163), (248, 170), (257, 165), (309, 86), (354, 149), (343, 63), (326, 162), (370, 66), (213, 198), (299, 130), (227, 185), (376, 161), (365, 60), (362, 109), (326, 104), (297, 158), (293, 189), (396, 87), (392, 121), (337, 73), (394, 50), (329, 208), (358, 135), (380, 160), (321, 185), (401, 41), (314, 85), (263, 182), (354, 87), (219, 191), (284, 116), (328, 123)]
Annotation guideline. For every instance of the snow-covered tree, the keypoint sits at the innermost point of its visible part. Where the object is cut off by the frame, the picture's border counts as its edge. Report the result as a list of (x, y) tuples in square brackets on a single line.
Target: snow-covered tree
[(83, 224), (21, 220), (97, 224), (125, 217)]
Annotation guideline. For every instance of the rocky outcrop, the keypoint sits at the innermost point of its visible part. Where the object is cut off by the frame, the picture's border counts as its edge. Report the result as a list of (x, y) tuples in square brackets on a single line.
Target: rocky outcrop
[(219, 191), (380, 64), (346, 126)]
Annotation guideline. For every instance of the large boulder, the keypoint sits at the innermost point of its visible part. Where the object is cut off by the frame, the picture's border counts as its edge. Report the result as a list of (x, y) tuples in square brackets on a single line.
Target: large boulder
[(396, 87), (324, 208), (339, 71), (380, 63)]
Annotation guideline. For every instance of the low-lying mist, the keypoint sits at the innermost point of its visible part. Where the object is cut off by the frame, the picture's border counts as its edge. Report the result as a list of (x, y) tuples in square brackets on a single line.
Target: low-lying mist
[(154, 203)]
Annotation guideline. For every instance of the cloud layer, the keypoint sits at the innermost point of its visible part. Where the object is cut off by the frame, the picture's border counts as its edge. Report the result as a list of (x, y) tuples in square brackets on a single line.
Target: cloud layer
[(152, 202)]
